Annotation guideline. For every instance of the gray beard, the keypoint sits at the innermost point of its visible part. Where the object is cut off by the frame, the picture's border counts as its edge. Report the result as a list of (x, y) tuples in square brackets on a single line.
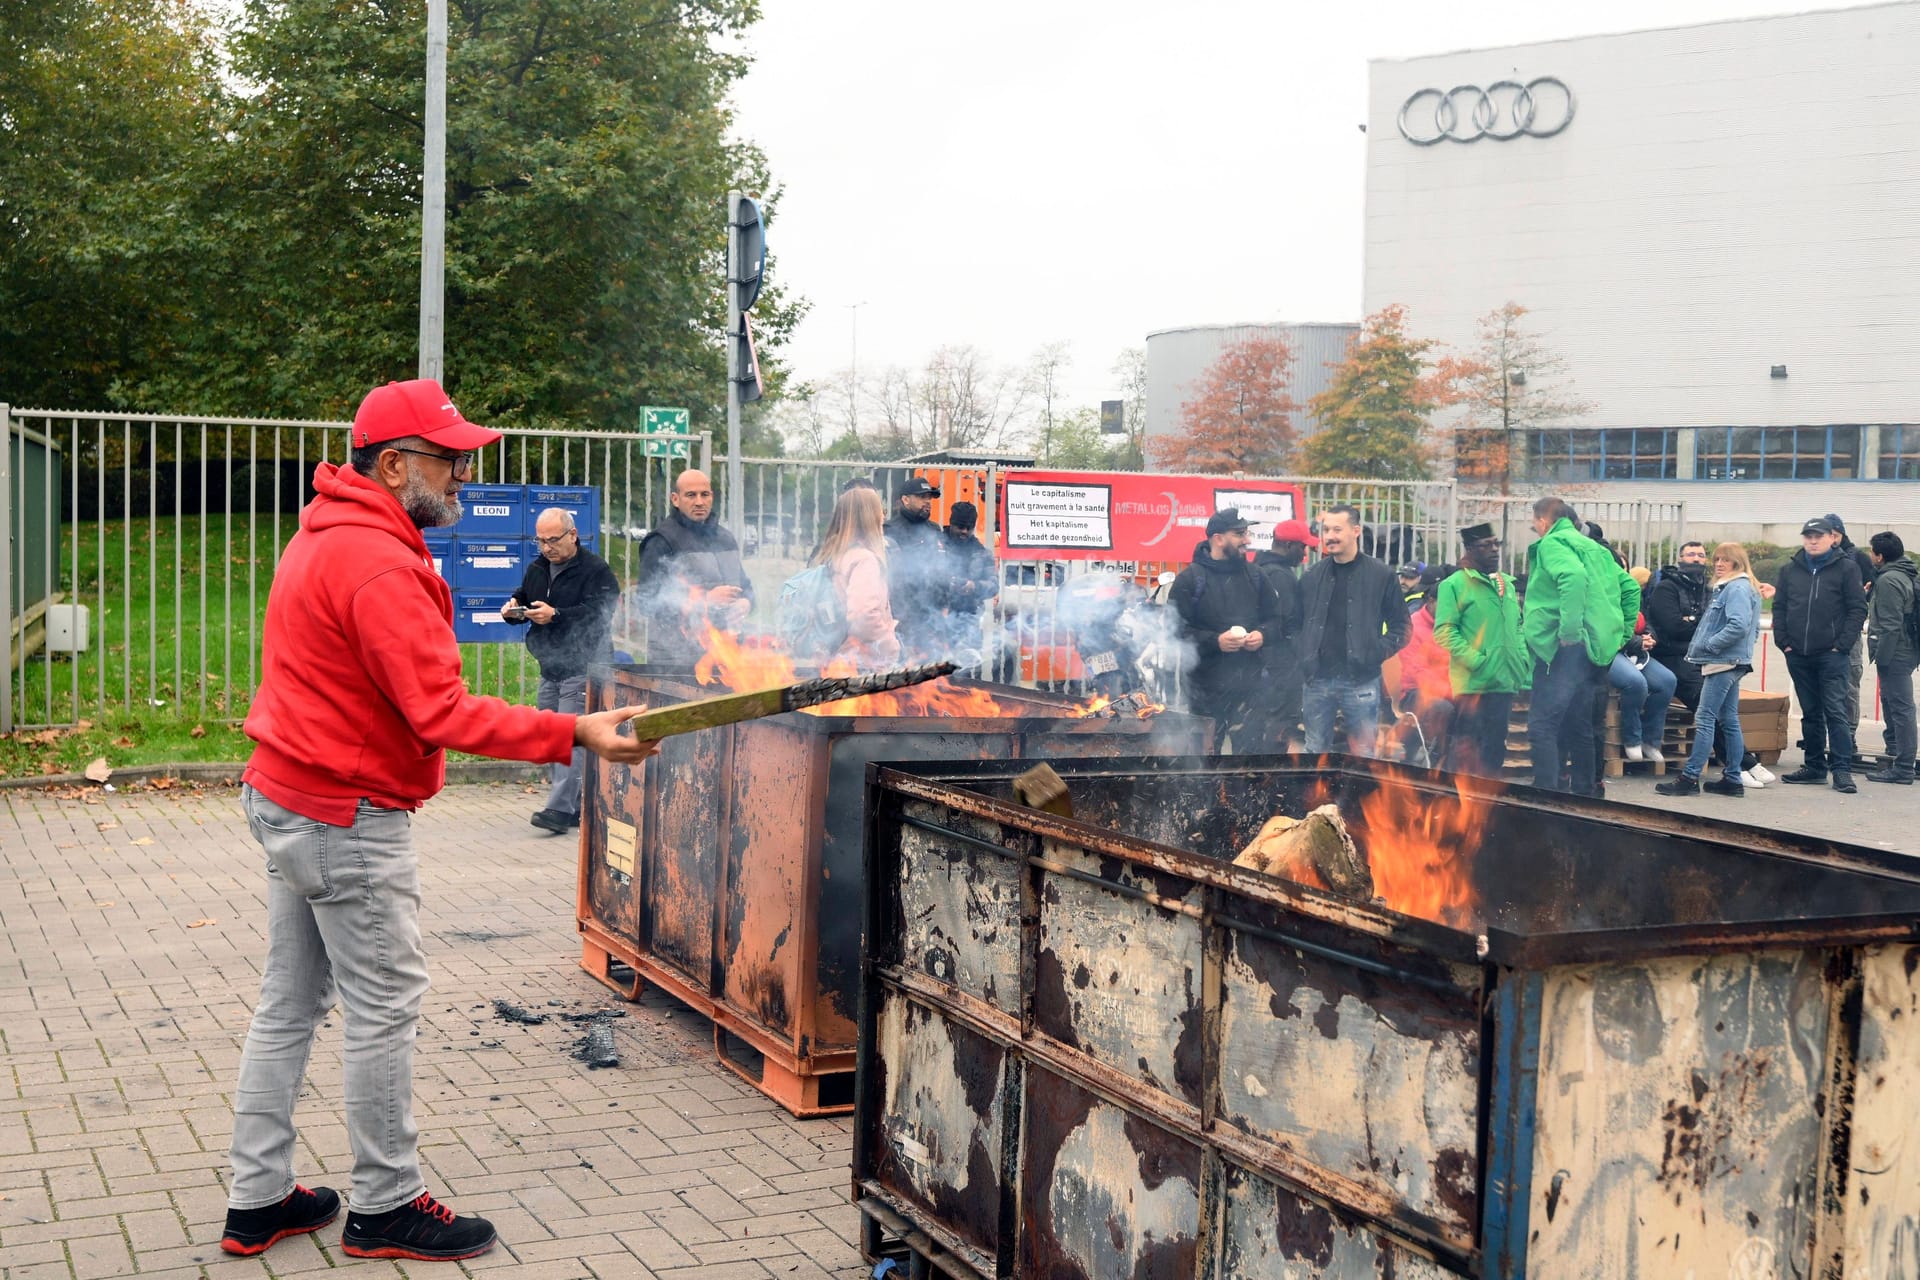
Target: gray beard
[(427, 507)]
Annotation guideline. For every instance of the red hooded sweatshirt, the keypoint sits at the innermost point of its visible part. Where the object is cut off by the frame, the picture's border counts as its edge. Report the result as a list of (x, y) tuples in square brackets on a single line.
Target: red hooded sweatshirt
[(360, 686)]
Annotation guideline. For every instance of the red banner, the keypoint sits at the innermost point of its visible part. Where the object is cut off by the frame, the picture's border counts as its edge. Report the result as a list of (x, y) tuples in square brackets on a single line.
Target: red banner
[(1072, 515)]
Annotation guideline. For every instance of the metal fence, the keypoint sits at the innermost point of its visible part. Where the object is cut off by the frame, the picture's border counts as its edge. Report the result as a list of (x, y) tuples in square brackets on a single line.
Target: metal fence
[(166, 530), (1646, 532)]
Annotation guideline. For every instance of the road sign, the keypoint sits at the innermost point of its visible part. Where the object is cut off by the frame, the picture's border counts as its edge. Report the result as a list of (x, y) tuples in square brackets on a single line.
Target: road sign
[(655, 420)]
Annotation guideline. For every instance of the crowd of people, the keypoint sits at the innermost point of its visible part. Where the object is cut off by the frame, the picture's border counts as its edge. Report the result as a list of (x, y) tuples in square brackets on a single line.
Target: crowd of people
[(1426, 662)]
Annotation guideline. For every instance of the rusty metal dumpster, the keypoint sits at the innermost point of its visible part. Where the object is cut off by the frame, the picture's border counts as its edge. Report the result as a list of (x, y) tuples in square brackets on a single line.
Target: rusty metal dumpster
[(1617, 1042), (727, 870)]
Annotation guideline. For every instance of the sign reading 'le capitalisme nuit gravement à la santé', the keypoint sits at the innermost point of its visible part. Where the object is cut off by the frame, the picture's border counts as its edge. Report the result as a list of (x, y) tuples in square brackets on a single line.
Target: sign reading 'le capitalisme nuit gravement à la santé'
[(1064, 515)]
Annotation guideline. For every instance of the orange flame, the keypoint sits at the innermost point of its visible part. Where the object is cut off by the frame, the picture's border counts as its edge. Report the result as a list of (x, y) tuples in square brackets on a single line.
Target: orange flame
[(1093, 706), (736, 664), (1421, 849)]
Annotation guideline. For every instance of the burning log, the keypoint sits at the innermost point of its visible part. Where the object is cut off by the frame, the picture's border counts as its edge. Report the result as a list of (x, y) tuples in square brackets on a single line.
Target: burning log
[(1136, 704), (731, 708), (1316, 850)]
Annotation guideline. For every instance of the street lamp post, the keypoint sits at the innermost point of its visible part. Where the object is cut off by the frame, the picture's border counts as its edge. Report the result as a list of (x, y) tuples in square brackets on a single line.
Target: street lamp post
[(853, 368), (433, 200)]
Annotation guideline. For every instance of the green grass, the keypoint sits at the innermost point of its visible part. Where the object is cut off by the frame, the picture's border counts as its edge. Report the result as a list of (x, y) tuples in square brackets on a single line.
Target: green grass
[(176, 608)]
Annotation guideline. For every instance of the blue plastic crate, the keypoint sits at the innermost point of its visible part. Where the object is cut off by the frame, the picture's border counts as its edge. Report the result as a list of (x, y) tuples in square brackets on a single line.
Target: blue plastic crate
[(581, 501), (491, 564), (493, 511), (440, 547), (477, 620)]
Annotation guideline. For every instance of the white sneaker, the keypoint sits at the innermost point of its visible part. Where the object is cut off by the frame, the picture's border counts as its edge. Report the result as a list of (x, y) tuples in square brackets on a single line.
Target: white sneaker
[(1653, 754), (1634, 752), (1751, 778)]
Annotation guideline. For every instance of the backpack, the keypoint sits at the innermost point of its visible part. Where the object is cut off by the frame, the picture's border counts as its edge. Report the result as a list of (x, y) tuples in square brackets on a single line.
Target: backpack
[(813, 618)]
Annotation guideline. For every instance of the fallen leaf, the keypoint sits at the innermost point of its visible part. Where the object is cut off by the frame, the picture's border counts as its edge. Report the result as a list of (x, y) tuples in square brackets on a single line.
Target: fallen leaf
[(201, 924), (144, 840), (163, 783), (107, 904), (123, 741), (98, 770), (198, 731), (106, 826)]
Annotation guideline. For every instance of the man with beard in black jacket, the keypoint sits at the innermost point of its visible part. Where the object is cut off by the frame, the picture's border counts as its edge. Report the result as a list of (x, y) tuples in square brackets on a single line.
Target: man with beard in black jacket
[(1226, 608), (917, 572), (1274, 722), (1352, 621), (1674, 608)]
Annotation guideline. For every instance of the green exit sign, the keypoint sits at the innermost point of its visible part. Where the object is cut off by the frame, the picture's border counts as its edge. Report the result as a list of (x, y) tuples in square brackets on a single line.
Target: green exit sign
[(655, 420)]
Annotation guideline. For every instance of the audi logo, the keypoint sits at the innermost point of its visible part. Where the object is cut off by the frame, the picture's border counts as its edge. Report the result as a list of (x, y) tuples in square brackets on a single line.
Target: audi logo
[(1503, 111)]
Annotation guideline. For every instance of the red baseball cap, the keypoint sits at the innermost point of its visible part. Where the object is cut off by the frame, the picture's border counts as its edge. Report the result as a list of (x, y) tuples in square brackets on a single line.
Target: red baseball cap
[(416, 408), (1294, 531)]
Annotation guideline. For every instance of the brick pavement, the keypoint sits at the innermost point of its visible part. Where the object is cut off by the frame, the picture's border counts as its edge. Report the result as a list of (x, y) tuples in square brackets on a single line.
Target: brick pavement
[(131, 934)]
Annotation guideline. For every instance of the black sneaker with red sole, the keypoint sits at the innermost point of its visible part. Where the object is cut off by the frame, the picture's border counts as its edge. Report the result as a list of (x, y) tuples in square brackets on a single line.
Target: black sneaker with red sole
[(423, 1228), (251, 1231)]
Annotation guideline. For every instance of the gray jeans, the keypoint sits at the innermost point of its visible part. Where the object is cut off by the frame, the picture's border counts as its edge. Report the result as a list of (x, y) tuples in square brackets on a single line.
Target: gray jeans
[(568, 697), (343, 914), (1856, 672)]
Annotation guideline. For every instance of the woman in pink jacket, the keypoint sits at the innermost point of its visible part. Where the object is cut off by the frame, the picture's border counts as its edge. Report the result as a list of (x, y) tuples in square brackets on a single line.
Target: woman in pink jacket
[(855, 548)]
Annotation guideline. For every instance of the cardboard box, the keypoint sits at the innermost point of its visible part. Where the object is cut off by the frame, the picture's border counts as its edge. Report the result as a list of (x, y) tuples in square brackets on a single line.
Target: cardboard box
[(1763, 720)]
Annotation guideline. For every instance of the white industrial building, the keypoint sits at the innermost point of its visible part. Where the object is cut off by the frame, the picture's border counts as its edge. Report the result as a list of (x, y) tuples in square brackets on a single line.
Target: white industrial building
[(1716, 227), (1178, 358)]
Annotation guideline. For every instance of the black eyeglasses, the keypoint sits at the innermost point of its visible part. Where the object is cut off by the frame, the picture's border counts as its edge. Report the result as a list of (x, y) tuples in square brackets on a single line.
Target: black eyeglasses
[(462, 461)]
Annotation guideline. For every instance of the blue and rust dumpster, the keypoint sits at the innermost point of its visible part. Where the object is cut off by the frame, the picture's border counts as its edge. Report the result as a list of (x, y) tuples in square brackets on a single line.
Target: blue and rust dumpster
[(1561, 1039)]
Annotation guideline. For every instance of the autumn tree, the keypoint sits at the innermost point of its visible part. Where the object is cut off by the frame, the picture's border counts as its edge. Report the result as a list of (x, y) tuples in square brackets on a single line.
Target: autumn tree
[(1240, 418), (1374, 415), (1131, 370), (1512, 385)]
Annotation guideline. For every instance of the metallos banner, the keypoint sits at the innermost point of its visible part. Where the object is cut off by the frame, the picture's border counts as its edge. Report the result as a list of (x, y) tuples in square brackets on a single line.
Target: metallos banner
[(1076, 515)]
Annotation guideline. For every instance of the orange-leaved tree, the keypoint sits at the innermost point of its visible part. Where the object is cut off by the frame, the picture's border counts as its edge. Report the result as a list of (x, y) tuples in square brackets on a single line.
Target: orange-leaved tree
[(1374, 413), (1240, 417), (1511, 385)]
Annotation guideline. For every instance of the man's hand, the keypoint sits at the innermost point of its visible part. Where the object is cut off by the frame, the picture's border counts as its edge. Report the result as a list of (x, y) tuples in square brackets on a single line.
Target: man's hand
[(601, 734), (1646, 641), (723, 595), (1231, 643), (541, 612), (1766, 590), (1254, 640)]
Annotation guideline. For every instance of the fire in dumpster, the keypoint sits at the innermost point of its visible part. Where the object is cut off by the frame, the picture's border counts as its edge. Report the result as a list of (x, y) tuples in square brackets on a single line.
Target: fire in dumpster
[(740, 664)]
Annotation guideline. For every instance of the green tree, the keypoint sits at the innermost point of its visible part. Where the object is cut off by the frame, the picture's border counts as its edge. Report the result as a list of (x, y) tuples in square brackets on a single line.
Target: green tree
[(1078, 444), (105, 108), (1374, 414), (587, 163)]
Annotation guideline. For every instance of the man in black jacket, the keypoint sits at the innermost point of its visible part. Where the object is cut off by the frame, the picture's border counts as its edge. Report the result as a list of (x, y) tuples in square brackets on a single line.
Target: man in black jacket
[(1819, 608), (1856, 656), (917, 572), (690, 575), (1674, 608), (1226, 608), (1353, 620), (1274, 721), (971, 578), (569, 595)]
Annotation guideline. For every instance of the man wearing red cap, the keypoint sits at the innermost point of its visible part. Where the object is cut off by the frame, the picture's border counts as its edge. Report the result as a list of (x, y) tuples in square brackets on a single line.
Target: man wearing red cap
[(360, 697)]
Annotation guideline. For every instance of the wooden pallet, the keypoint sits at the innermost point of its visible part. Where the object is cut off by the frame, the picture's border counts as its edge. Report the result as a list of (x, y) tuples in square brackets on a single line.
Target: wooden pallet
[(1676, 745)]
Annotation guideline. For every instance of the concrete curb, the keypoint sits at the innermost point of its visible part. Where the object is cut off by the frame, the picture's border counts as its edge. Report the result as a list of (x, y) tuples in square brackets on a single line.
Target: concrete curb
[(228, 774)]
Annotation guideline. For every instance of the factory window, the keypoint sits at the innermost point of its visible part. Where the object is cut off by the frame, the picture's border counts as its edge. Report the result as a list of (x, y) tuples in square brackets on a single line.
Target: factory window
[(1612, 453), (1900, 453), (1776, 453)]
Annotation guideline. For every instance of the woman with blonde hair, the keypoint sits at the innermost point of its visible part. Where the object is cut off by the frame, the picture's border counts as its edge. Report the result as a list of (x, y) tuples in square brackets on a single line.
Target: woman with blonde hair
[(854, 549), (1722, 647)]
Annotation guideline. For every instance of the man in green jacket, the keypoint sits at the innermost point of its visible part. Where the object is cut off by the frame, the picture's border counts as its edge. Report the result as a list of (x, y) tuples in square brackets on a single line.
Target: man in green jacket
[(1476, 619), (1573, 628)]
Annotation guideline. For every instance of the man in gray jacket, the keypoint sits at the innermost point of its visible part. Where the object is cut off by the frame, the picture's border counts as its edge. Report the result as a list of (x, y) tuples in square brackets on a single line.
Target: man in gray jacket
[(1892, 643)]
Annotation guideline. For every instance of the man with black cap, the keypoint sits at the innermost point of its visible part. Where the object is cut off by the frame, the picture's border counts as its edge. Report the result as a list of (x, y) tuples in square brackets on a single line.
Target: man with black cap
[(1226, 608), (1413, 588), (1352, 621), (1476, 619), (970, 578), (1273, 723), (1819, 609), (360, 699), (917, 571)]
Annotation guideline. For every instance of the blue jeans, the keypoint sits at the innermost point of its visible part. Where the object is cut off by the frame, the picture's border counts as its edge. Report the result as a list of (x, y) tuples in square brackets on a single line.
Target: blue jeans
[(1359, 699), (1560, 720), (1719, 708), (568, 697), (1821, 683), (1645, 693), (343, 917)]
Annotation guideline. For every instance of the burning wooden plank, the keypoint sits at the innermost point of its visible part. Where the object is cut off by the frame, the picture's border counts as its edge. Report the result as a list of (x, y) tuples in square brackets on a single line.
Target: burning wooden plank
[(731, 708)]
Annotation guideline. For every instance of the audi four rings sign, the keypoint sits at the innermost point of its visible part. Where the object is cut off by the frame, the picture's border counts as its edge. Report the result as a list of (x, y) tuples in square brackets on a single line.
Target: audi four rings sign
[(1503, 111)]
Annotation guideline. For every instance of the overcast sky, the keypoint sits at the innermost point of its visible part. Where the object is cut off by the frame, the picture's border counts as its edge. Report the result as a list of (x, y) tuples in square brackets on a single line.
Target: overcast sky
[(1008, 173)]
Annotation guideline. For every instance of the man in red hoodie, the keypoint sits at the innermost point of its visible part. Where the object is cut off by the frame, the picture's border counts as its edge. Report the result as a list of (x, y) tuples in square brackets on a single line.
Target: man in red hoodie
[(360, 697)]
